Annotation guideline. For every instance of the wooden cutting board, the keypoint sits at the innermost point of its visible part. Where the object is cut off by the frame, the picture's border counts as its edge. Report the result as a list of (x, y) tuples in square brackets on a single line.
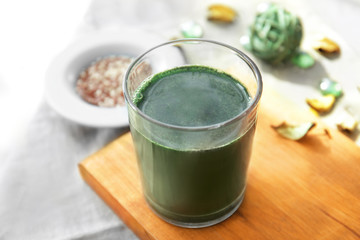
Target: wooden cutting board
[(308, 189)]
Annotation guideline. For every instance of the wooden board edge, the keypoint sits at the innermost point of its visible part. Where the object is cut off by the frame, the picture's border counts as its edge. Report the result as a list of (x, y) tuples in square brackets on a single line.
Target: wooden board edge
[(112, 202)]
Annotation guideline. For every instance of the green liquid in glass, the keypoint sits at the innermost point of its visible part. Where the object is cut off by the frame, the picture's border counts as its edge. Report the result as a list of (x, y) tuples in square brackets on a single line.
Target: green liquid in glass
[(187, 185)]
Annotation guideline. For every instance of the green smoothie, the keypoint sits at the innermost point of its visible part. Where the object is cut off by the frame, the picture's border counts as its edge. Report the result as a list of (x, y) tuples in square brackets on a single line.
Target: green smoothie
[(184, 184)]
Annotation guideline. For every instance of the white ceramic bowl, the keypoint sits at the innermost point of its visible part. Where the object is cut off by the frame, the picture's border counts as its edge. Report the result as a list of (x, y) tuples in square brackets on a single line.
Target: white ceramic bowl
[(63, 72)]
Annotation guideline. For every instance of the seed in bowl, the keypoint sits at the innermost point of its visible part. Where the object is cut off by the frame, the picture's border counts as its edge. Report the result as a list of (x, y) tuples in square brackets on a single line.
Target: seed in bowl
[(101, 83)]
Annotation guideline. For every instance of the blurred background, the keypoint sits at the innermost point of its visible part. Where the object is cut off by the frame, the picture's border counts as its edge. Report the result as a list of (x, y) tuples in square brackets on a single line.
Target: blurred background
[(32, 34)]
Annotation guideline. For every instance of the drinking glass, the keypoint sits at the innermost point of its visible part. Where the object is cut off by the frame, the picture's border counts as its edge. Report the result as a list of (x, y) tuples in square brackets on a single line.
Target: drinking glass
[(193, 176)]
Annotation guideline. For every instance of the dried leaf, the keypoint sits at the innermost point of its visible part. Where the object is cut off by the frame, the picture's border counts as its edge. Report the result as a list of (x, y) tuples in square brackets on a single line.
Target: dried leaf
[(321, 104), (294, 132), (326, 46), (329, 86), (327, 133), (221, 13), (191, 29), (347, 124), (303, 60)]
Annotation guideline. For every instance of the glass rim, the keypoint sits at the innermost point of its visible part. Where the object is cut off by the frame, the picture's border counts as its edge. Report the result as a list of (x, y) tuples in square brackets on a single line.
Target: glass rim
[(253, 103)]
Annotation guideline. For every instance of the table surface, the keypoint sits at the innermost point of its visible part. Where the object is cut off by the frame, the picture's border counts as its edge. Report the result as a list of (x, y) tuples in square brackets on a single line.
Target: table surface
[(297, 186), (41, 193)]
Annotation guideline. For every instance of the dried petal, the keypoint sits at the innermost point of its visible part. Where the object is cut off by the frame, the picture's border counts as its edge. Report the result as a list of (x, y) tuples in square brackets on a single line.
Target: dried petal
[(303, 60), (191, 29), (177, 37), (327, 133), (328, 86), (347, 124), (326, 46), (294, 132), (173, 38), (221, 13), (321, 104)]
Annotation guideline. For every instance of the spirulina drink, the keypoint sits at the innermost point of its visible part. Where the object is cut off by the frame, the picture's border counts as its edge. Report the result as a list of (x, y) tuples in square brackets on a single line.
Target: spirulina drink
[(192, 180)]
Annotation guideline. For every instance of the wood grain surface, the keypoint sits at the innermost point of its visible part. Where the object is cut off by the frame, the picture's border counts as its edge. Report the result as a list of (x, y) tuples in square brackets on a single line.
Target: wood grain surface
[(307, 189)]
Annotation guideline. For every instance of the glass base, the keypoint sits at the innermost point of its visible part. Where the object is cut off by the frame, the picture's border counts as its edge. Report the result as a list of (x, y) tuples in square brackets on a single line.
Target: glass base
[(203, 220)]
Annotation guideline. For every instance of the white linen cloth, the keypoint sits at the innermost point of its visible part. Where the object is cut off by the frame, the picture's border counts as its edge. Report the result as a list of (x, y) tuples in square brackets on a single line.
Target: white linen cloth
[(42, 195)]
